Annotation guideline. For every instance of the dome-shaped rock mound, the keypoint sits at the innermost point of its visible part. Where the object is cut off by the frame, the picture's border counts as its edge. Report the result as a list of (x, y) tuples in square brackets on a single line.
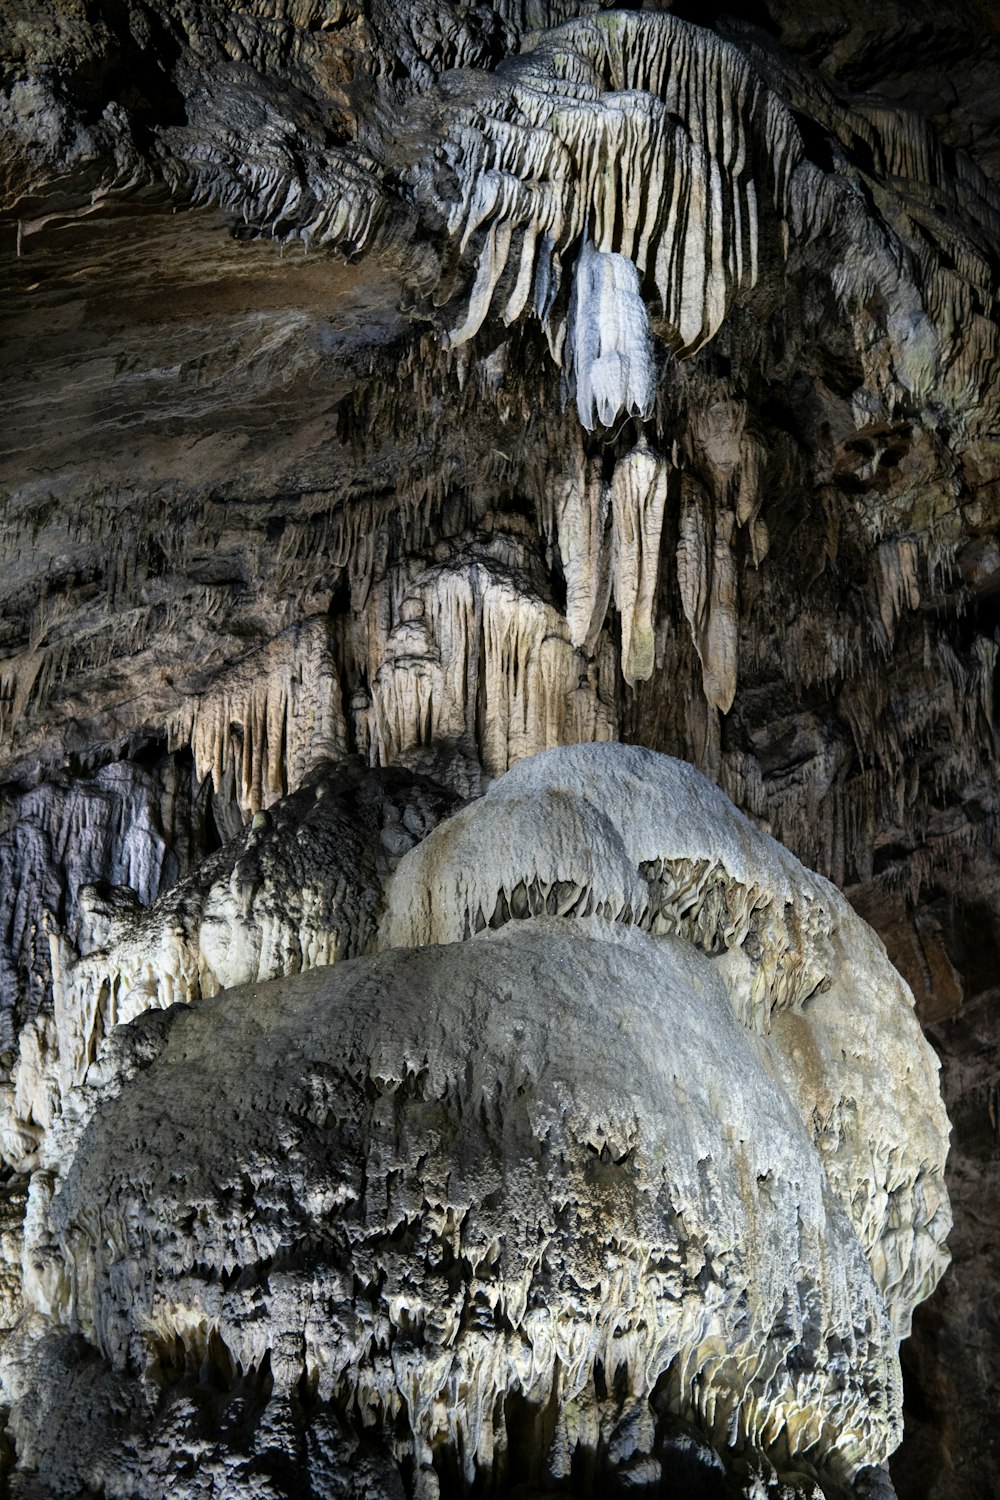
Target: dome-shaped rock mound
[(621, 1177)]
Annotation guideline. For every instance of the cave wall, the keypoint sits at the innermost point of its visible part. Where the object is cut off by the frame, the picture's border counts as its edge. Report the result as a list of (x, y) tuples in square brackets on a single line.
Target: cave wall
[(312, 452)]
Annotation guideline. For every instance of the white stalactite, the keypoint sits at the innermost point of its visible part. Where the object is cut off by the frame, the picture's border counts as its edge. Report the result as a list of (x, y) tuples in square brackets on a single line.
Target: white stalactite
[(609, 543), (609, 357), (638, 503), (640, 145)]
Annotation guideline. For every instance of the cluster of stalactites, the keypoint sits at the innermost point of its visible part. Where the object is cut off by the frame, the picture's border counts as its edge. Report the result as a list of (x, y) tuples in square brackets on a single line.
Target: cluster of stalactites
[(469, 655), (266, 721), (608, 535), (336, 201), (636, 144)]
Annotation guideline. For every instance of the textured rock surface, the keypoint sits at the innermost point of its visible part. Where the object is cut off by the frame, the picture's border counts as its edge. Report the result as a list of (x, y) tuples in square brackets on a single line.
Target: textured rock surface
[(301, 887), (661, 1141), (443, 384), (625, 835)]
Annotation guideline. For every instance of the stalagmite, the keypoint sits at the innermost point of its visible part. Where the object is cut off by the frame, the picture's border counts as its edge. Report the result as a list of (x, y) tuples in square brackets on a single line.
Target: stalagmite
[(620, 833), (573, 1295)]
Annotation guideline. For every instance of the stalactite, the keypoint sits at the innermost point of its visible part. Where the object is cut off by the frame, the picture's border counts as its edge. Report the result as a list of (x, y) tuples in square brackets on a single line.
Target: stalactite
[(608, 354), (896, 581), (706, 573), (647, 200), (609, 544), (471, 656), (264, 724), (577, 514), (638, 501)]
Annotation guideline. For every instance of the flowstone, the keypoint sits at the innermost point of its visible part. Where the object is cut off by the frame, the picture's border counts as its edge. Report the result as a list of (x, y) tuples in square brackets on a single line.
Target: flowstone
[(618, 1167)]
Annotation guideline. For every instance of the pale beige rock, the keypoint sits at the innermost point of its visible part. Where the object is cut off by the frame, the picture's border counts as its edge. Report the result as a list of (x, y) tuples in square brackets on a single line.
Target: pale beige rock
[(611, 1173), (584, 143), (609, 536), (469, 654), (578, 516), (621, 833), (706, 574), (268, 720), (13, 1200), (639, 489)]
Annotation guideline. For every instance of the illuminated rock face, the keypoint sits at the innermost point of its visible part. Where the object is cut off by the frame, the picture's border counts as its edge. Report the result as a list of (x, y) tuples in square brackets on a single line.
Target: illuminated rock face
[(299, 887), (642, 1130), (622, 834), (394, 391)]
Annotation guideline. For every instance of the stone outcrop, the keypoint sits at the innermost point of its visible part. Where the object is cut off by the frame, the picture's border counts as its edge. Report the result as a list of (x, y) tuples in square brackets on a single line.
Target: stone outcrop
[(300, 888), (439, 385)]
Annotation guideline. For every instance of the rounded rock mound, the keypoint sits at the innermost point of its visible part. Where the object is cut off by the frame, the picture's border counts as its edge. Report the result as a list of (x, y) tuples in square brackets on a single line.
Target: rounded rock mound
[(564, 1205)]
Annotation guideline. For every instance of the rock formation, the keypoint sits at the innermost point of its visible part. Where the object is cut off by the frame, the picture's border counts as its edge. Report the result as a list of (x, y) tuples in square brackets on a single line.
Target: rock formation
[(394, 394), (656, 1139)]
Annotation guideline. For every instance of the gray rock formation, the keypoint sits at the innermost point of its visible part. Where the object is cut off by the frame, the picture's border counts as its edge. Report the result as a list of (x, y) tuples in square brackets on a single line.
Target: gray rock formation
[(510, 1205), (299, 888), (434, 385)]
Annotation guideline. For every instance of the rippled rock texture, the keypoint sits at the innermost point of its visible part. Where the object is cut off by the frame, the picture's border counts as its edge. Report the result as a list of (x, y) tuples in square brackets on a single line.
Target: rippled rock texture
[(392, 392)]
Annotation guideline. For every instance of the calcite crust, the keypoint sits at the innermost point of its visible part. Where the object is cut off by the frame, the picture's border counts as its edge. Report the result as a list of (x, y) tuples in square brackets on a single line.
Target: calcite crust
[(602, 1137)]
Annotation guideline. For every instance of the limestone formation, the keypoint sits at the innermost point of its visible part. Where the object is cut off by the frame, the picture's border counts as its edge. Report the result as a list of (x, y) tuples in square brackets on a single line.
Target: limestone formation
[(125, 824), (299, 888), (650, 135), (620, 833), (395, 392), (470, 655), (506, 1206), (267, 721)]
